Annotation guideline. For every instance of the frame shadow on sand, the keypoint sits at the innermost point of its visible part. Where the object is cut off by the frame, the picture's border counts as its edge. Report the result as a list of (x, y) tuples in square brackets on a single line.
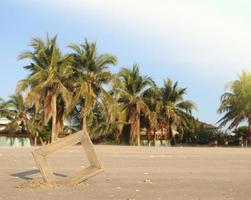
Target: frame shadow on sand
[(26, 174)]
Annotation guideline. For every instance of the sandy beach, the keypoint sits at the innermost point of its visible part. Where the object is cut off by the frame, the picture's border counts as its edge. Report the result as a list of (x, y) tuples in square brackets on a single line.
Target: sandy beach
[(135, 173)]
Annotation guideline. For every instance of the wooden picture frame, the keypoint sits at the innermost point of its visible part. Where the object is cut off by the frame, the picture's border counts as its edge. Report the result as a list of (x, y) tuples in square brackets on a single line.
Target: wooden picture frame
[(82, 137)]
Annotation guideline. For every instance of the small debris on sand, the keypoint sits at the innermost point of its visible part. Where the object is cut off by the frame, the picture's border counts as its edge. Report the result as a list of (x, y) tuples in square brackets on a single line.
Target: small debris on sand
[(146, 173), (40, 184), (137, 190), (147, 181)]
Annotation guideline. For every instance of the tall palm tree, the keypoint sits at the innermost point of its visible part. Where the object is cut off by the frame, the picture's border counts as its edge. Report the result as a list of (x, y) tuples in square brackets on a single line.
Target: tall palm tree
[(47, 82), (174, 111), (91, 73), (236, 103), (129, 89)]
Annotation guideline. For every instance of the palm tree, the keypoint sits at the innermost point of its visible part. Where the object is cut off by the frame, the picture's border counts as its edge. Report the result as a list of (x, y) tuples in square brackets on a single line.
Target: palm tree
[(2, 108), (91, 73), (174, 112), (18, 113), (101, 125), (129, 89), (48, 81), (236, 103)]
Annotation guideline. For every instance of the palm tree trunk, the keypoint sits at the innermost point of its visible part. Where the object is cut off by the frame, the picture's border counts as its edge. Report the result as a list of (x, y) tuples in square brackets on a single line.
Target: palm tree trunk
[(131, 122), (168, 131), (59, 124), (154, 135), (131, 140), (134, 121), (138, 129), (60, 118), (54, 118), (171, 136), (134, 130), (117, 140), (35, 140), (249, 130)]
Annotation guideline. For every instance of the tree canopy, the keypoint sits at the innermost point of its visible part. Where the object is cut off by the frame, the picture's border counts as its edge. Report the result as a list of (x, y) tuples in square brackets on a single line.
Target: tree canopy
[(65, 92)]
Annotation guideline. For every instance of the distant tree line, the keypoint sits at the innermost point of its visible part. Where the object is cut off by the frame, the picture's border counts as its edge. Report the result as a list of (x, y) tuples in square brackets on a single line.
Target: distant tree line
[(64, 93)]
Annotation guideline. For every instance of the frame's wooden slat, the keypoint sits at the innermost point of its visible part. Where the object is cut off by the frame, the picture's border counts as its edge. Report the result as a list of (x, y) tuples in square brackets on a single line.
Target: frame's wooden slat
[(90, 151), (59, 144), (81, 175), (44, 167)]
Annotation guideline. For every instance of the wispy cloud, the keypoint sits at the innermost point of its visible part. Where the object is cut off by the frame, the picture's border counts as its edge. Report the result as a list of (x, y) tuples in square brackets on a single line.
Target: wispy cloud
[(204, 33)]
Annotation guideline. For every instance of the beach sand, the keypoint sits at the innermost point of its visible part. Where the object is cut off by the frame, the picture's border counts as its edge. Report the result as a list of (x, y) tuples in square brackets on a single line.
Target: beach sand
[(133, 173)]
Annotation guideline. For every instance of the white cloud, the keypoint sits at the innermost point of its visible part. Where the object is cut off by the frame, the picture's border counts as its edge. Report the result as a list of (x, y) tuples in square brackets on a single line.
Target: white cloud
[(205, 33)]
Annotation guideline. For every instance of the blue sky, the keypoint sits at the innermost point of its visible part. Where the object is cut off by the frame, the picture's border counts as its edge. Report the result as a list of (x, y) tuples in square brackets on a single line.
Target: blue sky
[(201, 44)]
